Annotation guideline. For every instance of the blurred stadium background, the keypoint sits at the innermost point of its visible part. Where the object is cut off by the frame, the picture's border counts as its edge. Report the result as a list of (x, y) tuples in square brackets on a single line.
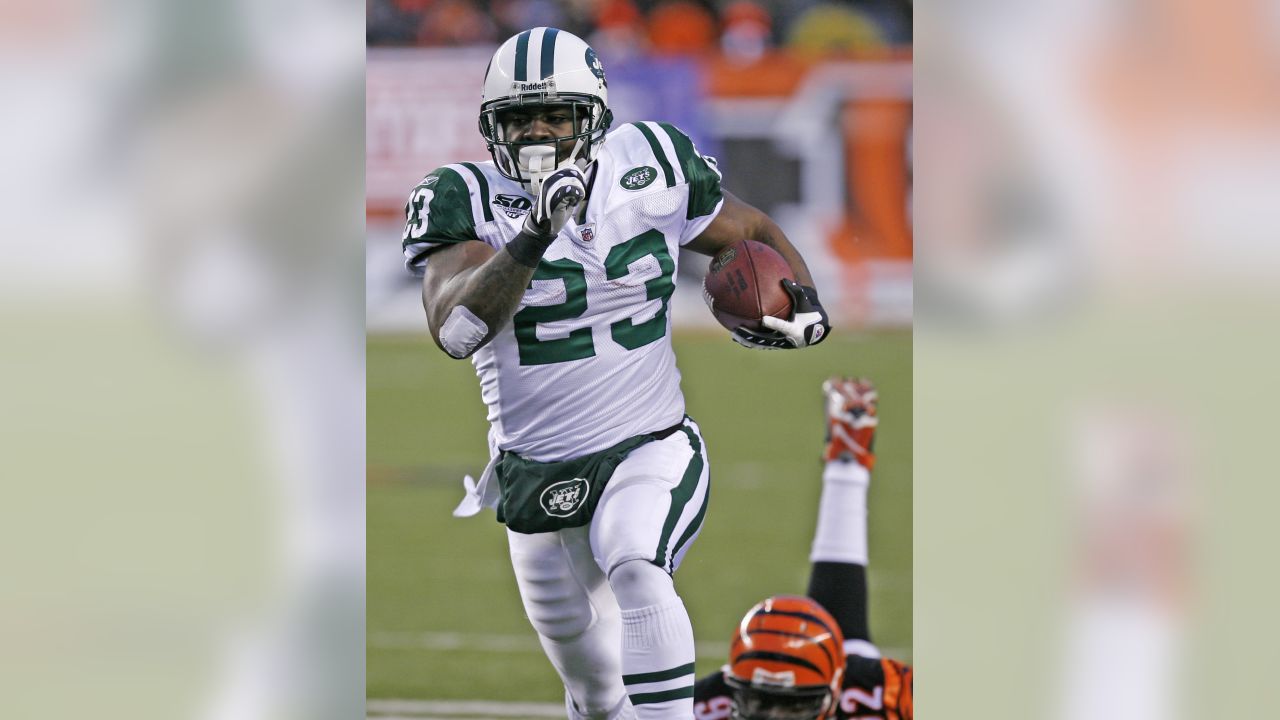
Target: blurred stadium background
[(807, 106), (1095, 303)]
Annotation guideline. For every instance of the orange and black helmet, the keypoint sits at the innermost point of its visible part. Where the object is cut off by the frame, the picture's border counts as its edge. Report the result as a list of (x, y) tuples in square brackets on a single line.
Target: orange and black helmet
[(786, 661)]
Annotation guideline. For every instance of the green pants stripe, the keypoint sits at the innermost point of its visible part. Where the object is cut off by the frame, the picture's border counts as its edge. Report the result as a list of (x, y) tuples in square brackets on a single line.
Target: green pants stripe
[(679, 498)]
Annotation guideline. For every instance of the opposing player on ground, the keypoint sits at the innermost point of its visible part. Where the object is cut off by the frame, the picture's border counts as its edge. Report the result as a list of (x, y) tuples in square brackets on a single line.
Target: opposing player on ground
[(811, 658), (551, 267)]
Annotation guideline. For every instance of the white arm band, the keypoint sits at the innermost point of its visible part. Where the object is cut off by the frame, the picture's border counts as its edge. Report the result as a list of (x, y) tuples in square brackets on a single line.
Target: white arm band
[(462, 332)]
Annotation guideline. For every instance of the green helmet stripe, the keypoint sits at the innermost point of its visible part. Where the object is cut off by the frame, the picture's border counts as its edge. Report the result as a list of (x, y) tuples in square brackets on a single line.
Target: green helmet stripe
[(522, 55), (549, 52)]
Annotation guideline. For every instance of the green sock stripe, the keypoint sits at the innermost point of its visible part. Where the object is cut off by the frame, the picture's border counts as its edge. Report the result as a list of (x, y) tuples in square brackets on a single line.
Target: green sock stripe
[(664, 696), (658, 676)]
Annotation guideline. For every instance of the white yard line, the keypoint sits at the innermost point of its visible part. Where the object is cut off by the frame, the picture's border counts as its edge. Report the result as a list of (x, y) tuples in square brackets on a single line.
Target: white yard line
[(444, 717), (460, 709), (455, 641), (433, 717), (492, 643)]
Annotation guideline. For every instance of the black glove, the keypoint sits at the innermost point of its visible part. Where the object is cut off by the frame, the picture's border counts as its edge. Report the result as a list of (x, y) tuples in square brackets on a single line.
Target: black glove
[(808, 324)]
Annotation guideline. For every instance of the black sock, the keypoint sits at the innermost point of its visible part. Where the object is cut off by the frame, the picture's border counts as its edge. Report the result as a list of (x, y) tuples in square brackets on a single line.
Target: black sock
[(841, 588)]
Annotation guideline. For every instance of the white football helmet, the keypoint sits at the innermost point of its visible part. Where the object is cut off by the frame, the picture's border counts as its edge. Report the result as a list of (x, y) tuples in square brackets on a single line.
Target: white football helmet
[(544, 66)]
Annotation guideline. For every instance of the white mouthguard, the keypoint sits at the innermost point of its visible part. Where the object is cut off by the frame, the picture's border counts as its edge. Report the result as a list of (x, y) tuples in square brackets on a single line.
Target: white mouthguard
[(536, 163)]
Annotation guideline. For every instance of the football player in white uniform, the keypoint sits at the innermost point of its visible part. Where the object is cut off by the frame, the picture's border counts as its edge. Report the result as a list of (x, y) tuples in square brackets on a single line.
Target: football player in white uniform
[(551, 268)]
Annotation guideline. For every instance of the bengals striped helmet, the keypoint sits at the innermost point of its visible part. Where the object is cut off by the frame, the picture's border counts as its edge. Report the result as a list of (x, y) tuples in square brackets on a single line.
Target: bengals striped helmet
[(786, 661)]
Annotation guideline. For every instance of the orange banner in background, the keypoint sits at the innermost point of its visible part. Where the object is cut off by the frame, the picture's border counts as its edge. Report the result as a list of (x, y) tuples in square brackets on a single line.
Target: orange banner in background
[(878, 180), (876, 130)]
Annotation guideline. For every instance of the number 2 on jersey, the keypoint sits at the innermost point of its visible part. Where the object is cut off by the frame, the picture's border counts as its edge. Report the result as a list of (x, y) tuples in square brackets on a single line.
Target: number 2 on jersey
[(627, 333)]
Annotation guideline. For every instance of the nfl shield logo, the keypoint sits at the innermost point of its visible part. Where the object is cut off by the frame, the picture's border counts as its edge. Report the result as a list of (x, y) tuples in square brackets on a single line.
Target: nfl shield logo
[(588, 232)]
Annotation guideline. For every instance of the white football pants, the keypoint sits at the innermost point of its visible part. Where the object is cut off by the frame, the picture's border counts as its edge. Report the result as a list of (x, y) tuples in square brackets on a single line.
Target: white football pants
[(651, 511)]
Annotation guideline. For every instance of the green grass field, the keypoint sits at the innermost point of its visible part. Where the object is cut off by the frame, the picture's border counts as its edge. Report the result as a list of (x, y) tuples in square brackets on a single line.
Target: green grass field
[(444, 619)]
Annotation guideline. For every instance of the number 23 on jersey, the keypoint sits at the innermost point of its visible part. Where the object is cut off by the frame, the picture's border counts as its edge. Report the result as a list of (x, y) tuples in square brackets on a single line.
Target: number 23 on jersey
[(627, 333)]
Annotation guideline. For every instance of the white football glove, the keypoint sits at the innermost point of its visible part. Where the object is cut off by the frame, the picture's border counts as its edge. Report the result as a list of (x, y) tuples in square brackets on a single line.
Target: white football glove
[(556, 191), (808, 324), (559, 195)]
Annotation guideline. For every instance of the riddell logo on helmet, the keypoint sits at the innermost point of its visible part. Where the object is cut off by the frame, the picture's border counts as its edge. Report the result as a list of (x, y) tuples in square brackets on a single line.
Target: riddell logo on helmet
[(527, 86)]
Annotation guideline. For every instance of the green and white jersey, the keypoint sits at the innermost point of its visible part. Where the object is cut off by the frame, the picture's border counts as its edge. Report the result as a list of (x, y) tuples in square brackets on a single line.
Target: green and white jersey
[(586, 361)]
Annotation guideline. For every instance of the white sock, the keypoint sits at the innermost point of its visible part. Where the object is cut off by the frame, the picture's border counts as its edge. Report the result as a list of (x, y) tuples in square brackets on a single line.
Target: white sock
[(657, 660), (589, 667), (620, 711), (841, 535)]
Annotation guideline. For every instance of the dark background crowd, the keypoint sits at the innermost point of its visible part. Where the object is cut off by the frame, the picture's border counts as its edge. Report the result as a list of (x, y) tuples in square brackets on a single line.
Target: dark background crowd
[(738, 28)]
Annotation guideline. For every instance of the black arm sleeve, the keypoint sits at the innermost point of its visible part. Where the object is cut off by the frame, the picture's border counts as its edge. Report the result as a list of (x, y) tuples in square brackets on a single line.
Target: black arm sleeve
[(841, 588)]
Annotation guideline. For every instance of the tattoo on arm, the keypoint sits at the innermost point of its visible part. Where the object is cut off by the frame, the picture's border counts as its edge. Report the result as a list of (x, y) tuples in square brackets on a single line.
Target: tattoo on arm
[(493, 290)]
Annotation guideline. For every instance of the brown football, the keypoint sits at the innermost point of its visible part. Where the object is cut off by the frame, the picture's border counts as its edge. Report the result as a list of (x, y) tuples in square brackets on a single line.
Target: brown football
[(744, 283)]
